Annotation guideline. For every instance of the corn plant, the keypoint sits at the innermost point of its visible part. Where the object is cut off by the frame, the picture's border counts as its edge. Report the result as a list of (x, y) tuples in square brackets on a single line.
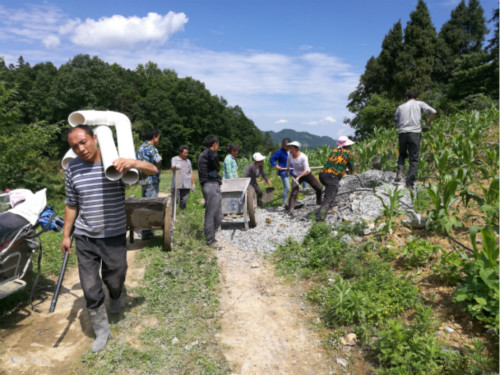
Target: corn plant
[(443, 161), (392, 207), (479, 291), (488, 202), (442, 216)]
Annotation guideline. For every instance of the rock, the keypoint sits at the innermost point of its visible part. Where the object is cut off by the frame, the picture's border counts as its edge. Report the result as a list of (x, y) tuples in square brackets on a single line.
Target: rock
[(175, 341), (358, 239), (380, 227), (255, 265), (191, 346), (350, 340), (367, 231), (346, 238), (342, 362), (449, 329), (268, 220), (415, 220)]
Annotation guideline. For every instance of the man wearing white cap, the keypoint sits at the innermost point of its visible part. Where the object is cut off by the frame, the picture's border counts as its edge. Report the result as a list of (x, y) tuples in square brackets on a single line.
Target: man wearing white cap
[(255, 170), (335, 167), (301, 172)]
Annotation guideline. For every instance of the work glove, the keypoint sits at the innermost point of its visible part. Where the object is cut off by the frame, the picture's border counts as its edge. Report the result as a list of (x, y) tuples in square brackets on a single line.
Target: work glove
[(425, 129)]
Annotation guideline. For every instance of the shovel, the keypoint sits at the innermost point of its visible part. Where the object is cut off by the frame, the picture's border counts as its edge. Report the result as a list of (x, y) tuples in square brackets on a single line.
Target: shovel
[(268, 195)]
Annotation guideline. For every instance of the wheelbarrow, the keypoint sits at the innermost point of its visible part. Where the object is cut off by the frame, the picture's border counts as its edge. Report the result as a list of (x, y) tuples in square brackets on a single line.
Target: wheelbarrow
[(238, 197), (155, 213)]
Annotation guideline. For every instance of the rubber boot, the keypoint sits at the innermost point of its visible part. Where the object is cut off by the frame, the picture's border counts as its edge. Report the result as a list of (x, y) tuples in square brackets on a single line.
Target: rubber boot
[(99, 320), (114, 306)]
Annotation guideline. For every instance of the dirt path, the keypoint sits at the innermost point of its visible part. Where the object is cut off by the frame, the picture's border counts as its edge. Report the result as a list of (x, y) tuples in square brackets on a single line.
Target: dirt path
[(52, 343), (264, 323)]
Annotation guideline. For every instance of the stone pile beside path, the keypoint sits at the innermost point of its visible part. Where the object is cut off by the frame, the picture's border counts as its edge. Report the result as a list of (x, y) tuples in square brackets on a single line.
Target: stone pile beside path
[(355, 201)]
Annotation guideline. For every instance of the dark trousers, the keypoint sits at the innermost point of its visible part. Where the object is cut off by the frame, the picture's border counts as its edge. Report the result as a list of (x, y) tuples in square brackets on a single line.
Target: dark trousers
[(213, 211), (108, 255), (331, 183), (258, 193), (409, 147), (182, 197), (311, 180)]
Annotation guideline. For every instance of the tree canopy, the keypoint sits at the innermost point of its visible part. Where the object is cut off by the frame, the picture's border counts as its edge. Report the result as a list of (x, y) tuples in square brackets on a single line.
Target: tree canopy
[(450, 69), (35, 102)]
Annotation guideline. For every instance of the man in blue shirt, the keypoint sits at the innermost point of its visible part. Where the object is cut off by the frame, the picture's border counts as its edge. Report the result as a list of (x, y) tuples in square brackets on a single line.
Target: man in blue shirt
[(278, 161), (150, 184)]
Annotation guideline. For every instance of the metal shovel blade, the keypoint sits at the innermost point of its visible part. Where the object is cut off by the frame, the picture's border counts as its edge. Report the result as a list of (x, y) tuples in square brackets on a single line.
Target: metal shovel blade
[(267, 196)]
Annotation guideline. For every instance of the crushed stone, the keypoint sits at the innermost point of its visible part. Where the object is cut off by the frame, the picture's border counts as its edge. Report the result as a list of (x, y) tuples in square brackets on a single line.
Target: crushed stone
[(357, 199)]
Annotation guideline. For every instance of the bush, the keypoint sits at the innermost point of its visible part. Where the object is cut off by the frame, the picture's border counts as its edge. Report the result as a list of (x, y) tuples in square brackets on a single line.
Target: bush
[(29, 160)]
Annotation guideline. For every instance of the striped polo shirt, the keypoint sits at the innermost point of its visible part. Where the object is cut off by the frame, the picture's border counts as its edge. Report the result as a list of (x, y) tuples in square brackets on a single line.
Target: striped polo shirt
[(100, 201)]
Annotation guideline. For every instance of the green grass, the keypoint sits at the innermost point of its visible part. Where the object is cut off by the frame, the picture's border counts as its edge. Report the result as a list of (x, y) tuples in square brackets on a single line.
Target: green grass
[(172, 328)]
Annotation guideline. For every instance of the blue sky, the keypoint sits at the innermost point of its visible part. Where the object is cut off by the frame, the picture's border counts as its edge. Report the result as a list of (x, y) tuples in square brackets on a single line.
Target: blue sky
[(287, 64)]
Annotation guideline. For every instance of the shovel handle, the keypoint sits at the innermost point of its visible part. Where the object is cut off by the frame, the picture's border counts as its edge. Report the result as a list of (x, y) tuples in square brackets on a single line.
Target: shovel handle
[(59, 282)]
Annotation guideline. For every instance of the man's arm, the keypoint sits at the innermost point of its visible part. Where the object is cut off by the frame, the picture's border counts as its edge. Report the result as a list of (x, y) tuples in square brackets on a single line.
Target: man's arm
[(123, 165), (70, 214)]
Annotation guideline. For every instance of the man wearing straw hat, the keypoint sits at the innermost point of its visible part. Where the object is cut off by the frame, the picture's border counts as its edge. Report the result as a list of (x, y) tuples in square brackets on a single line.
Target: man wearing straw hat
[(95, 209), (335, 167)]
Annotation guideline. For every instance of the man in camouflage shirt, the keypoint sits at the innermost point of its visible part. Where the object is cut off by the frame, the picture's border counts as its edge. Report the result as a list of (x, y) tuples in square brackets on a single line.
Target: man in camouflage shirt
[(150, 184), (335, 167)]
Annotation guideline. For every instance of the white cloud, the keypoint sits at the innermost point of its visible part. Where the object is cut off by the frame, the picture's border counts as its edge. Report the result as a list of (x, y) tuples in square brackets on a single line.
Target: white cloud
[(119, 32), (325, 121), (37, 24), (51, 41), (273, 89)]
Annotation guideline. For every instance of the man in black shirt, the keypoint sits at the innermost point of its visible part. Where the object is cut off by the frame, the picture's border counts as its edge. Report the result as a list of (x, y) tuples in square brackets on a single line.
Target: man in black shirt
[(210, 181)]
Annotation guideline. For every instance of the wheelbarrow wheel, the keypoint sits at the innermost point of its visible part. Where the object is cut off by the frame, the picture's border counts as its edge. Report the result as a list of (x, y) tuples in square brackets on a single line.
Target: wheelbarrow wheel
[(251, 207), (168, 230)]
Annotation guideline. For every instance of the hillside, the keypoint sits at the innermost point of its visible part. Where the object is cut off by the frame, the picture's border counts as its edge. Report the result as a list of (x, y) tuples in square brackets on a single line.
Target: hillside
[(307, 140)]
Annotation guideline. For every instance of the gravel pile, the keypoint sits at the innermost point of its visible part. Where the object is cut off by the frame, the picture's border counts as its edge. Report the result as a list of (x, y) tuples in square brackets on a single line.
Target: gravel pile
[(355, 201)]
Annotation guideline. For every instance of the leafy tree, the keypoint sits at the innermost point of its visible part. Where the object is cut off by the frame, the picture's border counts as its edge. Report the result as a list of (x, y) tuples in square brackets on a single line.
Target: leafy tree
[(378, 113), (461, 35), (492, 49), (417, 59)]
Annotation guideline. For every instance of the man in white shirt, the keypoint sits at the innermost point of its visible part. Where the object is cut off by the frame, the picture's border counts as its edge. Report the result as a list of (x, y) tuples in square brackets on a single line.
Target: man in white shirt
[(182, 179), (408, 118), (300, 173)]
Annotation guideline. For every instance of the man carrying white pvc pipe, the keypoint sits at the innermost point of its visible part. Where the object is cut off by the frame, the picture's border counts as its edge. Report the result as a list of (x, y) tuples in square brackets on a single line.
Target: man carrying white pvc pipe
[(95, 207), (150, 184)]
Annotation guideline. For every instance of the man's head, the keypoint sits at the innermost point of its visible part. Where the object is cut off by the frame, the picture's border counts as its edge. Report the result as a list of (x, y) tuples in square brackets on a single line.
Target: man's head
[(183, 152), (153, 136), (233, 149), (411, 95), (212, 142), (284, 143), (294, 147), (83, 142), (258, 158)]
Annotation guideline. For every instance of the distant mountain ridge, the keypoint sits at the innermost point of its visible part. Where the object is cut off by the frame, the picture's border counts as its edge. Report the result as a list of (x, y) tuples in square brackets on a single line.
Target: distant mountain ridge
[(307, 140)]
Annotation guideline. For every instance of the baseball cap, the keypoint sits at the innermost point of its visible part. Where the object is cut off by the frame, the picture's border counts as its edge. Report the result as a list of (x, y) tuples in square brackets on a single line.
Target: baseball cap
[(258, 156)]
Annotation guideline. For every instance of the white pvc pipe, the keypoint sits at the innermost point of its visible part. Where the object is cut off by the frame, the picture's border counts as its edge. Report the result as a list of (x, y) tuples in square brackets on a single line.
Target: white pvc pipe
[(68, 156), (123, 128), (108, 152)]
